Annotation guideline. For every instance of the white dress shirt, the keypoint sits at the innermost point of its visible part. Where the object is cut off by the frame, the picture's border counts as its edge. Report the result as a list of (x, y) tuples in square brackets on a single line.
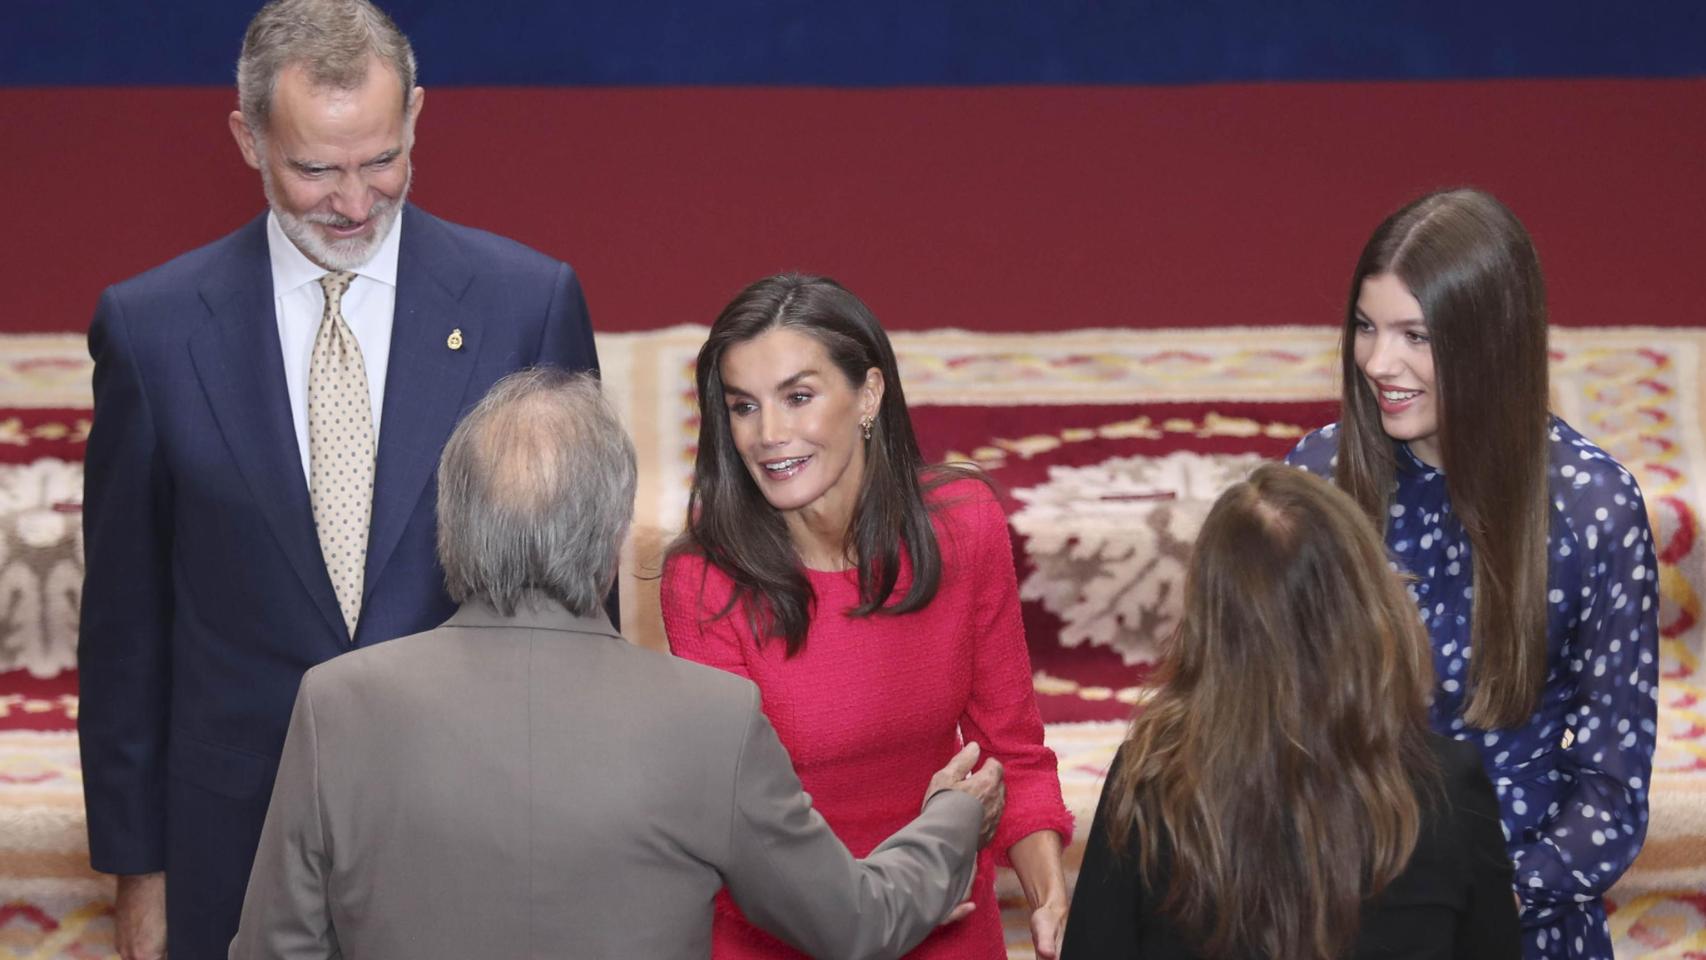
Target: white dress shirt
[(367, 307)]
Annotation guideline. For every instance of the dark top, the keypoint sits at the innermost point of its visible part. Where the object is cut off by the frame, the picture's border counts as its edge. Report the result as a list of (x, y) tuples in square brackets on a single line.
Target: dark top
[(1452, 900), (1572, 780)]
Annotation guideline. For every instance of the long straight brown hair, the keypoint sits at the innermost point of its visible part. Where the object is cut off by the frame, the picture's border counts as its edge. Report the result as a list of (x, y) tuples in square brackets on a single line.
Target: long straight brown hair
[(732, 525), (1281, 770), (1470, 264)]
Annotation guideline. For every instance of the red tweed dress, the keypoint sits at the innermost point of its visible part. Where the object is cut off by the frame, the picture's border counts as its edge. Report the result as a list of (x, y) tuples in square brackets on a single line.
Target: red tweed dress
[(873, 706)]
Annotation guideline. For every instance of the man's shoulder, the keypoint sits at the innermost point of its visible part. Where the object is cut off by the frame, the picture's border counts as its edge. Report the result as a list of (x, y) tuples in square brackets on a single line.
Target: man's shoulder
[(420, 659), (678, 684), (390, 660), (479, 248)]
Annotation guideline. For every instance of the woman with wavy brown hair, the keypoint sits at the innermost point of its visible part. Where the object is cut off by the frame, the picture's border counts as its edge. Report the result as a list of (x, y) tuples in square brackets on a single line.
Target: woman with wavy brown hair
[(870, 596), (1281, 796), (1528, 545)]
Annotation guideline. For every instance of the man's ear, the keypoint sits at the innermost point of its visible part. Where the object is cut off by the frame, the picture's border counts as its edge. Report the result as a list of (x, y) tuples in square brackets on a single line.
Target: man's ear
[(417, 99), (245, 138)]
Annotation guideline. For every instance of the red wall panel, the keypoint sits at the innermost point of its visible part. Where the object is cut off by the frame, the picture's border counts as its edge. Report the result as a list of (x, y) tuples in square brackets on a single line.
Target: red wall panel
[(988, 208)]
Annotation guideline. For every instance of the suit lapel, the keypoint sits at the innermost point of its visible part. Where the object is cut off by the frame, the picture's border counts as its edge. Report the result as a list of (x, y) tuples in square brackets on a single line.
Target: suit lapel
[(237, 356), (425, 381)]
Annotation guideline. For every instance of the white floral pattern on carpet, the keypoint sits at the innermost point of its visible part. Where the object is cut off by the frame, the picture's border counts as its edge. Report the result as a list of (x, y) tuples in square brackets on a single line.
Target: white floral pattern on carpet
[(1109, 544), (41, 565)]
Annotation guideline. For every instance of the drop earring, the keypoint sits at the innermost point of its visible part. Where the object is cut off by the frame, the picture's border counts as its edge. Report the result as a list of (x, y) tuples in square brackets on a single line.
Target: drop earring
[(865, 425)]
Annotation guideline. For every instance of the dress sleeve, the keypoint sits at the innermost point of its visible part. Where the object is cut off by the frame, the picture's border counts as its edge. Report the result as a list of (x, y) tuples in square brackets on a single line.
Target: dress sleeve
[(1317, 452), (1001, 714), (691, 599), (1596, 827), (1104, 919)]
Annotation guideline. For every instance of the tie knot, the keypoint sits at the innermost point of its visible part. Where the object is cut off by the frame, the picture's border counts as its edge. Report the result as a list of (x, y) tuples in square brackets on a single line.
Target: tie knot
[(335, 283)]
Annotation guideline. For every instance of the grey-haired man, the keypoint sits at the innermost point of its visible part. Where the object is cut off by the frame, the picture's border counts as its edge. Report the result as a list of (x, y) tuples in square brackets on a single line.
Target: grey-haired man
[(523, 782)]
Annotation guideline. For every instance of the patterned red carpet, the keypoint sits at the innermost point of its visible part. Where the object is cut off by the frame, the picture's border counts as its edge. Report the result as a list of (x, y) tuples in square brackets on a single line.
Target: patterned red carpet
[(1108, 446)]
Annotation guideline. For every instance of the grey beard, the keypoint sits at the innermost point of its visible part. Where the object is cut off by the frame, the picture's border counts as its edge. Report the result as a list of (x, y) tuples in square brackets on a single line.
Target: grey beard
[(335, 254)]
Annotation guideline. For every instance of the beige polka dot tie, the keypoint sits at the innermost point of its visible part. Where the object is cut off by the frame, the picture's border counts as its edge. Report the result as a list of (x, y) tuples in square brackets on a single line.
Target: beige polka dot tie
[(340, 448)]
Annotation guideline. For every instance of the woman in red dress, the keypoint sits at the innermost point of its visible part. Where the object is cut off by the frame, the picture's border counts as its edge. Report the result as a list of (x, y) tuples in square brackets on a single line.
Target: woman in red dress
[(870, 597)]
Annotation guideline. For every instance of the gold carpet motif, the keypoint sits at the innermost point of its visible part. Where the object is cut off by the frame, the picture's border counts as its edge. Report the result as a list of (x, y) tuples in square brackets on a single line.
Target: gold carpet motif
[(1634, 391)]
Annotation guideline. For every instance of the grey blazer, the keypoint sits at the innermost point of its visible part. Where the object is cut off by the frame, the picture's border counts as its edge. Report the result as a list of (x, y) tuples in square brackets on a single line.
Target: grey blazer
[(535, 786)]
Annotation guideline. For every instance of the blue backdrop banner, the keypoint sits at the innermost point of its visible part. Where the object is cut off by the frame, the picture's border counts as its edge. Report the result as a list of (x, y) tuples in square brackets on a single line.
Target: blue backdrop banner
[(875, 43)]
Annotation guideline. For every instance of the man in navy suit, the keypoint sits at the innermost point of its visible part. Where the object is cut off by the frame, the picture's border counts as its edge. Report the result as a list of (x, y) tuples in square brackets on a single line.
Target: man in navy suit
[(225, 554)]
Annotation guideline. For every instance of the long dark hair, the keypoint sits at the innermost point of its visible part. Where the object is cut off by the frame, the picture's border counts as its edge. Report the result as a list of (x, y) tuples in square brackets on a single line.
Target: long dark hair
[(1281, 769), (732, 525), (1470, 264)]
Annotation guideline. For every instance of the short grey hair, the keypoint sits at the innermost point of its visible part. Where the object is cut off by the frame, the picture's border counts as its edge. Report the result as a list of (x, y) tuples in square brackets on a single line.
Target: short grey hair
[(535, 494), (332, 39)]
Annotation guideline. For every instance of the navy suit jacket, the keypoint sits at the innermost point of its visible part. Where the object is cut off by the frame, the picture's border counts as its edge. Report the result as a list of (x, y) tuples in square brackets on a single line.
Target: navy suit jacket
[(206, 597)]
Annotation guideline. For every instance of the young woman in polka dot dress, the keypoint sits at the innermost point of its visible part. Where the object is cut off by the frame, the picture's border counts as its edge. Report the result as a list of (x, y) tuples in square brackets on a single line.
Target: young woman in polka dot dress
[(1528, 547)]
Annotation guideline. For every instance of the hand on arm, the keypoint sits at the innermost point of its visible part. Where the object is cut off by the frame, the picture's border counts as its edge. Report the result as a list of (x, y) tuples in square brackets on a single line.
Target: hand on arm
[(984, 786), (791, 876)]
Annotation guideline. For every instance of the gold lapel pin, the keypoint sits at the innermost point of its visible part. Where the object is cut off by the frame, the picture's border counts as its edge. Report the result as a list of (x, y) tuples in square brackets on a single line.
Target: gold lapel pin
[(454, 341)]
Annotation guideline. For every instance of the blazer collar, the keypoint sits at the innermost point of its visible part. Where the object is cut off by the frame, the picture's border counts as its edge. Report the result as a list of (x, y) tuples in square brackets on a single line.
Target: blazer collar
[(237, 358), (436, 337), (543, 616)]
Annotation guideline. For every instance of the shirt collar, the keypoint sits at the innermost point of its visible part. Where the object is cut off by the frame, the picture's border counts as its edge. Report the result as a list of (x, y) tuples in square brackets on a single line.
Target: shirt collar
[(291, 268)]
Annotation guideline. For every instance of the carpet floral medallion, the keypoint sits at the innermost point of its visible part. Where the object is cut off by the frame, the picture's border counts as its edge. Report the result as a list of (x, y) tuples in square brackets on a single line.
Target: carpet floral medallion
[(1107, 446)]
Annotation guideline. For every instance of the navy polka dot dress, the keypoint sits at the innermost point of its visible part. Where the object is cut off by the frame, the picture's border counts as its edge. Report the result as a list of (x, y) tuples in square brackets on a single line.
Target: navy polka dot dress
[(1572, 781)]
